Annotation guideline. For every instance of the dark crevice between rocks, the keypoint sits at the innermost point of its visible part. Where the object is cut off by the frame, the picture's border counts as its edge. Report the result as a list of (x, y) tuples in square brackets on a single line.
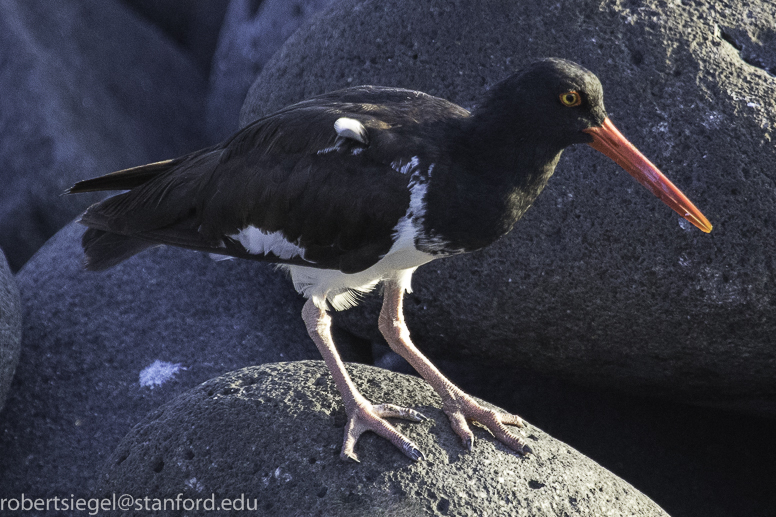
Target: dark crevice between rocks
[(746, 53), (352, 348), (253, 8)]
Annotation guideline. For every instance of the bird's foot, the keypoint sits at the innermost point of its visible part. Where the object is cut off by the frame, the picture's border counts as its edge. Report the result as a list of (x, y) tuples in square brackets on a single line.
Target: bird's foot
[(365, 416), (462, 408)]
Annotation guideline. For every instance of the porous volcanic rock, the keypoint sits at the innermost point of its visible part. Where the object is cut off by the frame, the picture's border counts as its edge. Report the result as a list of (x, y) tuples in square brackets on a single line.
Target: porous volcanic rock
[(269, 438)]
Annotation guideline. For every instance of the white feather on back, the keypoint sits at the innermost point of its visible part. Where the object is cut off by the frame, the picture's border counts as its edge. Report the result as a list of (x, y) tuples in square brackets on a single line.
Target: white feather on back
[(351, 128)]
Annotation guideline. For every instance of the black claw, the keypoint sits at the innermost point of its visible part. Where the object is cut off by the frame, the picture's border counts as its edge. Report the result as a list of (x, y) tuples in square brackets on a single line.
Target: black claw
[(421, 417), (468, 443), (415, 454)]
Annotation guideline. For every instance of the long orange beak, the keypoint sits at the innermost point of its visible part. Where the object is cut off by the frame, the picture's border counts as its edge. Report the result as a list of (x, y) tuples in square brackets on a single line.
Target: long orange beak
[(608, 140)]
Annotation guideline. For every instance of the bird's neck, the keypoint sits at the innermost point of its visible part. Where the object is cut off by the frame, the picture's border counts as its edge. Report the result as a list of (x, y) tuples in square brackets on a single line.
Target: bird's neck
[(513, 142), (497, 171)]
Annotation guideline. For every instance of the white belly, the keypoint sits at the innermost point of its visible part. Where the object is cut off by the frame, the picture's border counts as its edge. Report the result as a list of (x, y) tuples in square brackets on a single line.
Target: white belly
[(342, 290)]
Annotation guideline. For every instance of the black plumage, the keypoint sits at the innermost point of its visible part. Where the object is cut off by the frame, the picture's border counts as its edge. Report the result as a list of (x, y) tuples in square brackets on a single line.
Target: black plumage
[(340, 206)]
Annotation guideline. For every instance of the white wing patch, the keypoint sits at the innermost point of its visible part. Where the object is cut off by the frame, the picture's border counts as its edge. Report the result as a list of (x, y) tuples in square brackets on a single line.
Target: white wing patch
[(410, 226), (258, 242), (406, 168), (351, 128)]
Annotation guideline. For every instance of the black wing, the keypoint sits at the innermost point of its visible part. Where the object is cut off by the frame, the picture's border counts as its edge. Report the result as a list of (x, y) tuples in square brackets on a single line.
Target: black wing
[(337, 198)]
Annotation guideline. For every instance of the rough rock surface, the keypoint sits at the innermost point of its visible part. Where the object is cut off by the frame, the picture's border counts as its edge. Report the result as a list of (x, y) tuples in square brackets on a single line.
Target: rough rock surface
[(88, 87), (252, 32), (600, 282), (10, 328), (673, 453), (272, 434), (100, 350)]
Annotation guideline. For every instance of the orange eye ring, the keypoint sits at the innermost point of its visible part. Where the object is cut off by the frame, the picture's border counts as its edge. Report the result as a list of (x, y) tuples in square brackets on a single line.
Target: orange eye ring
[(570, 99)]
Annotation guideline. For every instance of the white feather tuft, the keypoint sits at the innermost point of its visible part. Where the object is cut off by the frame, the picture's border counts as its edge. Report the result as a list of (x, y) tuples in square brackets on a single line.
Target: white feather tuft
[(258, 242), (351, 128), (218, 257)]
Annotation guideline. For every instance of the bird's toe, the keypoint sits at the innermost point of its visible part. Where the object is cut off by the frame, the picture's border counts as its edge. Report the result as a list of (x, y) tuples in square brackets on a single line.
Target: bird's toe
[(349, 455), (394, 411), (510, 419), (495, 423), (460, 427), (462, 410), (414, 454), (367, 417)]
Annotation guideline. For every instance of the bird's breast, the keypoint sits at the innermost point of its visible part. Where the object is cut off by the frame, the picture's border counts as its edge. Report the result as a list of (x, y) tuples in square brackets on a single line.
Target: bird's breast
[(469, 218)]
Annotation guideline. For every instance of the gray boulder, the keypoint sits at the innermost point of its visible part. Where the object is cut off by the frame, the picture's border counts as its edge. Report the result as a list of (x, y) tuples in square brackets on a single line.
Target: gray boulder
[(193, 25), (269, 438), (103, 349), (251, 34), (10, 328), (599, 283), (88, 87)]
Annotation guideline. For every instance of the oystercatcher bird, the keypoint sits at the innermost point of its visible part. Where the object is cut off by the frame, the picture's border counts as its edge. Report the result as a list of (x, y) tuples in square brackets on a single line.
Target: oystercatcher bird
[(361, 186)]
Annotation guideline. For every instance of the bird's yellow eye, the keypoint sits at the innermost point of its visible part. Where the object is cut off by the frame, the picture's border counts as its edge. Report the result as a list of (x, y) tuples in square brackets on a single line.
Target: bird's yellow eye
[(571, 99)]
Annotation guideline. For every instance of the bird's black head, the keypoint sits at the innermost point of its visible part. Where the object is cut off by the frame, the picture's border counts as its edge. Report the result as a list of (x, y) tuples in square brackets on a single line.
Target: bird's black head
[(553, 100), (529, 118)]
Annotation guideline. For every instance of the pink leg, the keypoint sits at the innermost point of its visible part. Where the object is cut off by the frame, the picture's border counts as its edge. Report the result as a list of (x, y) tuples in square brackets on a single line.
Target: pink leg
[(458, 406), (362, 414)]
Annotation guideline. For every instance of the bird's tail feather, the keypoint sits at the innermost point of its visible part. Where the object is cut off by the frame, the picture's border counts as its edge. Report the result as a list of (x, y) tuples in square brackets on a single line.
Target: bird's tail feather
[(124, 179), (158, 207), (103, 250)]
